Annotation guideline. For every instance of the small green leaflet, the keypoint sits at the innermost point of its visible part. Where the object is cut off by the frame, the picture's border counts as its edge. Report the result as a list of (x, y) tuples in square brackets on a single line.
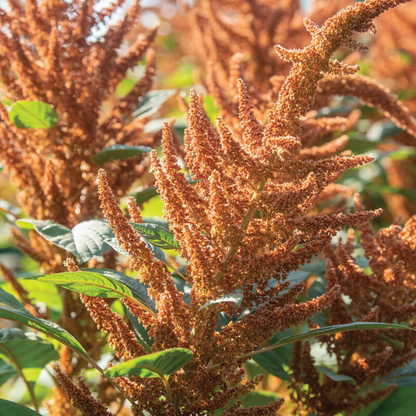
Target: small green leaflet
[(159, 364), (334, 376), (157, 252), (10, 408), (232, 297), (152, 102), (33, 115), (119, 152), (86, 240), (157, 235)]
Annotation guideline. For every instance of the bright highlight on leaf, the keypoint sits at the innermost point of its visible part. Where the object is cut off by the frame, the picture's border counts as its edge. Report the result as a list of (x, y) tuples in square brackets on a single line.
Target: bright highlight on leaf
[(152, 102), (334, 376), (33, 115), (86, 240), (159, 364)]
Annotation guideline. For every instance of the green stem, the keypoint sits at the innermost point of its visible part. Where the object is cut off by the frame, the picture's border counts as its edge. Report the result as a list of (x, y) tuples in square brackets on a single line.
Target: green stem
[(20, 371)]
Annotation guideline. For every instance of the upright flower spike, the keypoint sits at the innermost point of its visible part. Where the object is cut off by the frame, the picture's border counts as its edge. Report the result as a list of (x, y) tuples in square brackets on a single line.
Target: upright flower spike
[(252, 130), (80, 395)]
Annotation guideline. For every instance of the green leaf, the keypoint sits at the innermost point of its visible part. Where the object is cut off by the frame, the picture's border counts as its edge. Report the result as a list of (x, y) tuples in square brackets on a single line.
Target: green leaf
[(232, 297), (10, 408), (87, 283), (142, 195), (355, 326), (33, 115), (8, 208), (141, 333), (159, 364), (334, 376), (6, 372), (402, 402), (157, 252), (10, 300), (405, 376), (258, 398), (27, 353), (86, 240), (118, 152), (138, 289), (273, 361), (152, 102), (157, 235), (49, 328)]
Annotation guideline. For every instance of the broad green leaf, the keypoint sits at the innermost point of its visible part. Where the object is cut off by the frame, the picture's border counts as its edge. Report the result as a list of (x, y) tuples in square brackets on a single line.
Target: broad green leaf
[(152, 102), (355, 326), (118, 152), (33, 115), (157, 252), (8, 408), (405, 376), (138, 289), (49, 328), (232, 297), (27, 353), (157, 235), (86, 240), (87, 283), (159, 364), (334, 376), (10, 300), (402, 402), (274, 360)]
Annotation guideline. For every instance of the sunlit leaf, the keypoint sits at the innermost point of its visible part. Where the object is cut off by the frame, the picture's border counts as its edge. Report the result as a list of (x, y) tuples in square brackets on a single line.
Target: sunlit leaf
[(86, 240), (157, 235), (49, 328), (159, 364), (33, 115), (26, 353)]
